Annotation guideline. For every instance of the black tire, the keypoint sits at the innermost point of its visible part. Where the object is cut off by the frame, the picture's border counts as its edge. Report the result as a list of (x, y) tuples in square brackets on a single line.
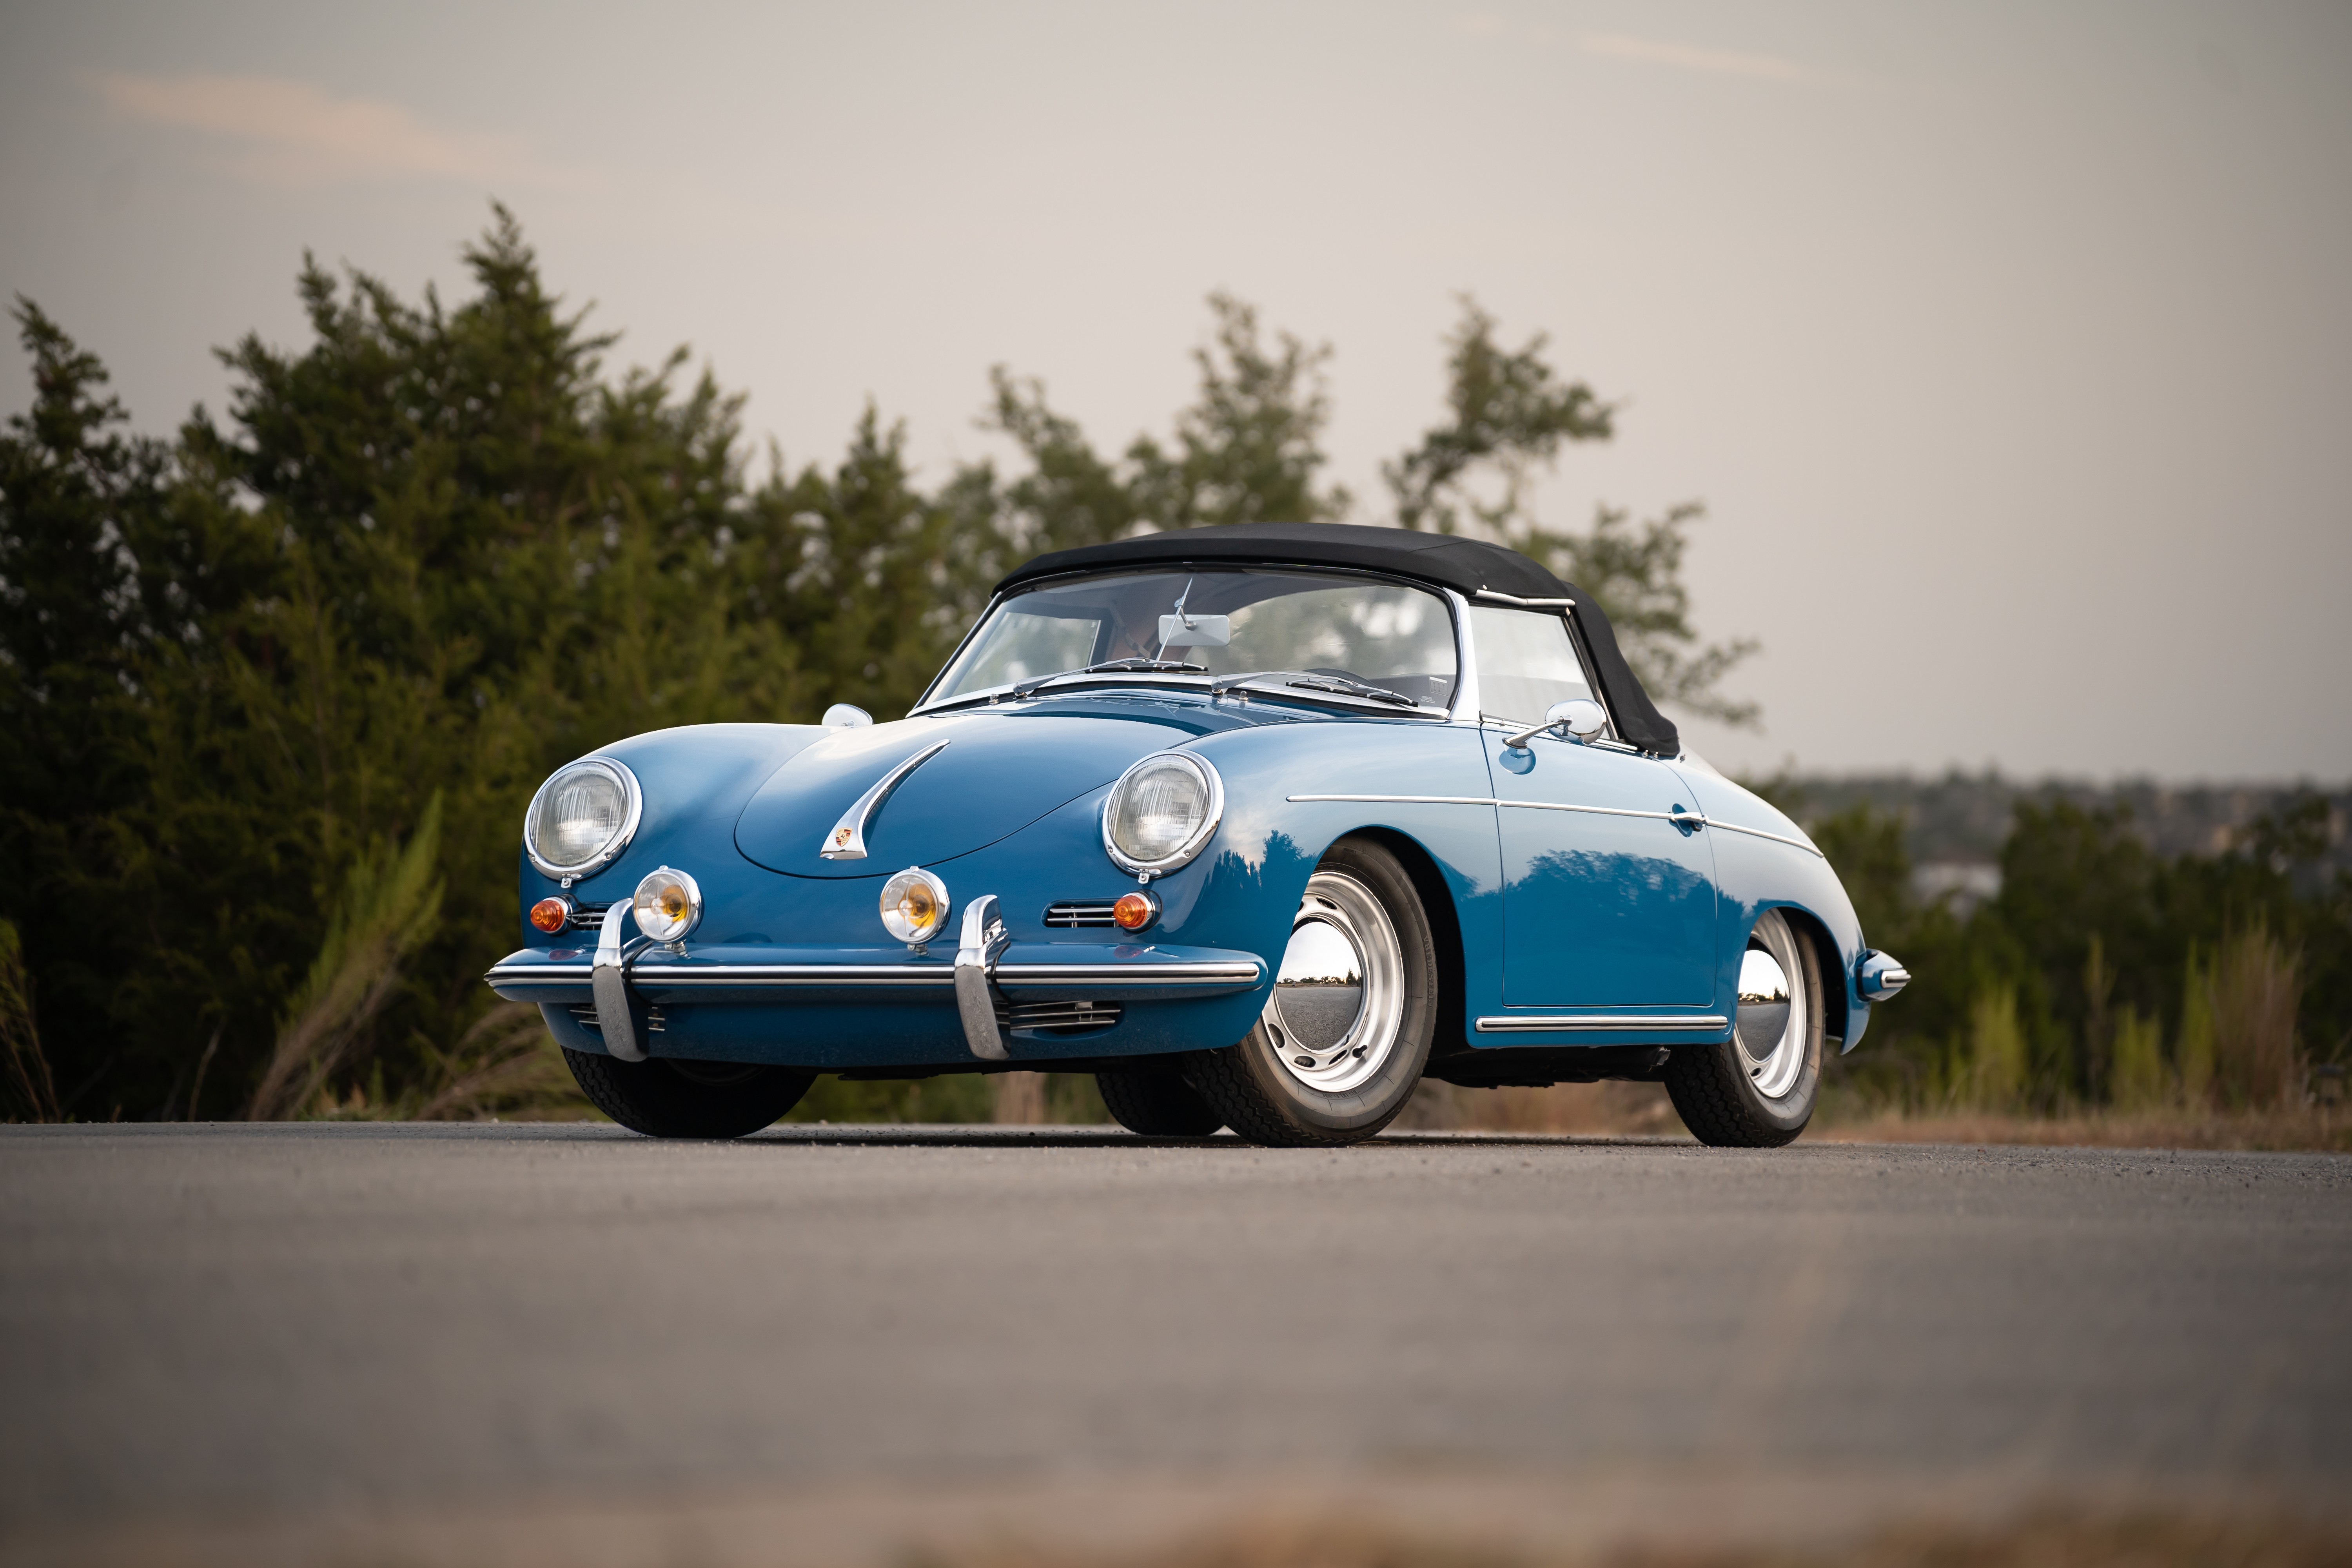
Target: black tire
[(1257, 1094), (1157, 1102), (1711, 1086), (664, 1098)]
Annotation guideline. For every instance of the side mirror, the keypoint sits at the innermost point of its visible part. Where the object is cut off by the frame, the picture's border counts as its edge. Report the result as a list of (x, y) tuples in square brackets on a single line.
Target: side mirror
[(844, 716), (1579, 719)]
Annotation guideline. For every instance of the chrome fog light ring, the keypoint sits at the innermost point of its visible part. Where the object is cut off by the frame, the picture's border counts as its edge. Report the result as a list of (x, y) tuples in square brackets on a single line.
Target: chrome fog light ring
[(1167, 789), (667, 904), (915, 906), (560, 834)]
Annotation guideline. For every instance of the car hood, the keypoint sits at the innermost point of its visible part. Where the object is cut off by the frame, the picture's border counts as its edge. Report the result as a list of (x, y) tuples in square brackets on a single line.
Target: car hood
[(999, 773)]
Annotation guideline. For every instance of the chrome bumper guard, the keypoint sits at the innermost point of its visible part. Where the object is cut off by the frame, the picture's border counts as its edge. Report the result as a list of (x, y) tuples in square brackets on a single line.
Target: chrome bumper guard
[(984, 942), (609, 982)]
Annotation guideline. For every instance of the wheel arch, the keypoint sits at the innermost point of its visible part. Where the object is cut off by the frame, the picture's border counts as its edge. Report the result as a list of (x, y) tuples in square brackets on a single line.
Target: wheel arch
[(1810, 928), (1445, 929)]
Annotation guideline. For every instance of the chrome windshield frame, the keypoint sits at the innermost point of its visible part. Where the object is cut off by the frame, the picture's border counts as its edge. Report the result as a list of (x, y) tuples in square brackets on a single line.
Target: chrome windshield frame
[(1466, 699), (1465, 675)]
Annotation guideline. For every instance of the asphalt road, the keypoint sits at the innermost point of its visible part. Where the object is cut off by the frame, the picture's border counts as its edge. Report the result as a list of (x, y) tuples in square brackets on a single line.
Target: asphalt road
[(214, 1321)]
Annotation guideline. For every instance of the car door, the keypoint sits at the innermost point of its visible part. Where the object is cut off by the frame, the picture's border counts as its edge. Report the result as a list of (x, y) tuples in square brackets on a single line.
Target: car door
[(1607, 900)]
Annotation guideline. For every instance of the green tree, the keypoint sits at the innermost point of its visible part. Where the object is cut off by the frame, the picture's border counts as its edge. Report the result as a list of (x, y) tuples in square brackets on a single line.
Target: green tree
[(1508, 414)]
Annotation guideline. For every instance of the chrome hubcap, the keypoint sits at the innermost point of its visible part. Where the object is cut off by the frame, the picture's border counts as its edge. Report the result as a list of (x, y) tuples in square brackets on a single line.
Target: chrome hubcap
[(1772, 1028), (1338, 1000)]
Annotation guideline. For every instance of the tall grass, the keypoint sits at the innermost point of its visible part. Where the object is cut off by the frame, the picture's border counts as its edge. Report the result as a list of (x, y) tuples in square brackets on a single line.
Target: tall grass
[(2137, 1078), (1995, 1076), (29, 1083), (2257, 1061), (388, 907)]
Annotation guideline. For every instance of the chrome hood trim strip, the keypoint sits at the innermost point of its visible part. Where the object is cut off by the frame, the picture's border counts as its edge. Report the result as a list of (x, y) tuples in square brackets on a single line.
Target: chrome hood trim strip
[(846, 841)]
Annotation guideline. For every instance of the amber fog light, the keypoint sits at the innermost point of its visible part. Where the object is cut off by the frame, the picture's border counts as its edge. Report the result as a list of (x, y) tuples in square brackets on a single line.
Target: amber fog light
[(914, 906), (550, 915), (667, 904), (1135, 911)]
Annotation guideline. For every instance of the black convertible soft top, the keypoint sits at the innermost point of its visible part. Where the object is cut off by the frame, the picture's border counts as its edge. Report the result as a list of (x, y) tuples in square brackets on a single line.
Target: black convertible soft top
[(1469, 566)]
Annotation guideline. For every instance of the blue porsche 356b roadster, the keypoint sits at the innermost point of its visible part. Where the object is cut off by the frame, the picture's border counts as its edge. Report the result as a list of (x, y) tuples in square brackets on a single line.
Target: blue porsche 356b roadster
[(1259, 825)]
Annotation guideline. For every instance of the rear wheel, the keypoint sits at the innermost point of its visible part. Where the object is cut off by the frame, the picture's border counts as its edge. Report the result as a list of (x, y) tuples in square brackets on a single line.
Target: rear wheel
[(1157, 1102), (1340, 1046), (667, 1098), (1758, 1090)]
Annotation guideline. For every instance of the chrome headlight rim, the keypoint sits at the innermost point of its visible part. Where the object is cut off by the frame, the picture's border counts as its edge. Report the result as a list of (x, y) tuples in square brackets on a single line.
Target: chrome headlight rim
[(686, 882), (633, 813), (1182, 854)]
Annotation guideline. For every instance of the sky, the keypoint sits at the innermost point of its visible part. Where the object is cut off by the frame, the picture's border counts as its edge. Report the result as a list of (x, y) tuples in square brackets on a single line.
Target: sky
[(2008, 347)]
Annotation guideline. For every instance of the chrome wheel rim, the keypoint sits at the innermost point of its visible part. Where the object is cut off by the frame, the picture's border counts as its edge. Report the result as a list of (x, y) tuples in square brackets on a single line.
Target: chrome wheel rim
[(1773, 1027), (1338, 998)]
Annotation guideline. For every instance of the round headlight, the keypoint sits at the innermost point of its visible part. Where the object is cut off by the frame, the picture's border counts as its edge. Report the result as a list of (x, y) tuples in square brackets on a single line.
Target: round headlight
[(1161, 812), (582, 818), (668, 904), (914, 905)]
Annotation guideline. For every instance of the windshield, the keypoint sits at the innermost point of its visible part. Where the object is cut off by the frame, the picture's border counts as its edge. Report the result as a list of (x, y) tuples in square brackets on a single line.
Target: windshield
[(1217, 622)]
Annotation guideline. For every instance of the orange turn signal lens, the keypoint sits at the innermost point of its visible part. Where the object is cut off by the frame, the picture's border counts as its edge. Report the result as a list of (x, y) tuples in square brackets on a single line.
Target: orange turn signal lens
[(550, 915), (1135, 911)]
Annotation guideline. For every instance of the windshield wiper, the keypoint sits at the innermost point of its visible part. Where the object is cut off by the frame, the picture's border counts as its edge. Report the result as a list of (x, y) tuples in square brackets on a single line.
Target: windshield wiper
[(1142, 666), (1308, 680)]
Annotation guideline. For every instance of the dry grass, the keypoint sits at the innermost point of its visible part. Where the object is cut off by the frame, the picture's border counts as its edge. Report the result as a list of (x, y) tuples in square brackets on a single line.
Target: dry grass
[(2052, 1539), (1643, 1109), (30, 1088), (389, 904)]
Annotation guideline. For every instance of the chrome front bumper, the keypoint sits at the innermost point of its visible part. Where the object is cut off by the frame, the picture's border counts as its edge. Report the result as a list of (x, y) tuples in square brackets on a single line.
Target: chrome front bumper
[(987, 969)]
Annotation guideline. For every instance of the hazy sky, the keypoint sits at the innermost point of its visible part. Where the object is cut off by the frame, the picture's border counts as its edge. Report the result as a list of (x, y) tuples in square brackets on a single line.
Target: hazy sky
[(2010, 347)]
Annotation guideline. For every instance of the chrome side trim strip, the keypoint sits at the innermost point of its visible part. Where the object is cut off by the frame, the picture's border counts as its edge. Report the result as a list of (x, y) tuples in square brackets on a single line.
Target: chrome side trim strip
[(847, 839), (1586, 1021), (1759, 833), (1606, 811), (1690, 818), (1405, 799), (610, 986)]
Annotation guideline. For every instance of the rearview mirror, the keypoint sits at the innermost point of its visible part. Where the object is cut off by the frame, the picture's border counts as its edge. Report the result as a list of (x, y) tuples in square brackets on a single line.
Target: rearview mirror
[(1195, 631)]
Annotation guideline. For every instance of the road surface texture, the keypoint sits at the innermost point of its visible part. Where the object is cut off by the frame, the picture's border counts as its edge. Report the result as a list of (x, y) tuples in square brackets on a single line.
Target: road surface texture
[(569, 1344)]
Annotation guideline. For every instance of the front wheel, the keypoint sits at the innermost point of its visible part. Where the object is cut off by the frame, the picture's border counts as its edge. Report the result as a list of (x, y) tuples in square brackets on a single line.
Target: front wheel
[(1758, 1090), (1156, 1102), (1340, 1046), (666, 1098)]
